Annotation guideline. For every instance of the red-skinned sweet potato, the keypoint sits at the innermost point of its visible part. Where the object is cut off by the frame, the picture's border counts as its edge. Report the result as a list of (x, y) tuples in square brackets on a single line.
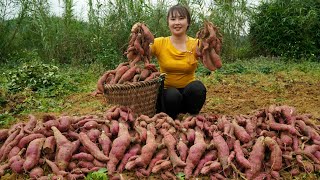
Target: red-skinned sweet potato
[(223, 149), (33, 154), (240, 155), (4, 133), (92, 147), (36, 172), (119, 146), (133, 151), (171, 143), (31, 124), (256, 158), (163, 153), (27, 139), (105, 143), (195, 153), (65, 149), (49, 145), (83, 156)]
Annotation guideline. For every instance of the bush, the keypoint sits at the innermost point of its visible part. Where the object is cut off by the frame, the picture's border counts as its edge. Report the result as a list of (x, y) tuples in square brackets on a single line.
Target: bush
[(37, 77), (288, 28)]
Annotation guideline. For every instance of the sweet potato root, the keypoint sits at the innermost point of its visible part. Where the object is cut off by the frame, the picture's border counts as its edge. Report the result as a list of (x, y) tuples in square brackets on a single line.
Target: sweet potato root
[(119, 146), (33, 154), (92, 147)]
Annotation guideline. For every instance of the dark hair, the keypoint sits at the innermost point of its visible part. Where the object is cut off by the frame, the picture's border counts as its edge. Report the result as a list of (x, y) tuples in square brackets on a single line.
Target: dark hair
[(182, 10)]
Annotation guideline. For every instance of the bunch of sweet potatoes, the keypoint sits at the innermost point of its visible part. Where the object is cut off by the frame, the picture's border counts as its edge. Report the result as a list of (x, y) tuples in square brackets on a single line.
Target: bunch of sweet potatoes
[(210, 46), (139, 44), (260, 145)]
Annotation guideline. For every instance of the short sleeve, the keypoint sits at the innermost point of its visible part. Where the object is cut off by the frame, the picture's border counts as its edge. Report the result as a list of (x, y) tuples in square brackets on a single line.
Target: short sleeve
[(156, 46)]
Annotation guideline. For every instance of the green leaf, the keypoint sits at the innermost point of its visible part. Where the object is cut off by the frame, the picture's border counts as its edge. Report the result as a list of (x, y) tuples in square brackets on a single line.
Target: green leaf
[(101, 174), (181, 176)]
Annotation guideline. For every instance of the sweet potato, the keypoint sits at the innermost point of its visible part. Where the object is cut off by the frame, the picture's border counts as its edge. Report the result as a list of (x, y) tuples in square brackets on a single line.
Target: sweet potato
[(191, 135), (133, 151), (83, 156), (161, 165), (119, 74), (119, 146), (128, 75), (4, 133), (14, 151), (171, 143), (209, 156), (100, 83), (137, 44), (183, 150), (33, 153), (49, 145), (85, 164), (91, 125), (240, 156), (31, 124), (163, 153), (105, 143), (64, 123), (93, 134), (281, 127), (11, 144), (4, 167), (55, 168), (153, 75), (92, 147), (240, 132), (114, 126), (276, 154), (144, 74), (65, 149), (215, 59), (51, 123), (36, 172), (223, 149), (286, 138), (16, 165), (256, 158), (147, 151), (310, 150), (195, 153), (210, 166), (27, 139), (98, 163)]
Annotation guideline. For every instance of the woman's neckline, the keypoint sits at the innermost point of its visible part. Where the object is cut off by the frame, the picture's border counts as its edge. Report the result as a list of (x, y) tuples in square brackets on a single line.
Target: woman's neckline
[(186, 40)]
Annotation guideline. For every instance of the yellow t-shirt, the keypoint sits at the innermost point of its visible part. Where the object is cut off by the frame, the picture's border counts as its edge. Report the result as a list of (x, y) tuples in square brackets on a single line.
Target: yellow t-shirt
[(179, 66)]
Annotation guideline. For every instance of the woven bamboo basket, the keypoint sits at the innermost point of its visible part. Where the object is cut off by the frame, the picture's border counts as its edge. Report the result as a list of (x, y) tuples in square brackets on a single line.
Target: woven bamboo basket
[(141, 96)]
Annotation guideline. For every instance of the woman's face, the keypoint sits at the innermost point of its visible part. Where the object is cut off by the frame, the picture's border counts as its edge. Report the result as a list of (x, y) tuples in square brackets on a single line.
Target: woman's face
[(178, 24)]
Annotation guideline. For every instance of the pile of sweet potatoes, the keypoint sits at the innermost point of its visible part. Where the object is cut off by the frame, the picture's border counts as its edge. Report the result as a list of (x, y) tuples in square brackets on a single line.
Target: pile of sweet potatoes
[(124, 73), (210, 46), (261, 145)]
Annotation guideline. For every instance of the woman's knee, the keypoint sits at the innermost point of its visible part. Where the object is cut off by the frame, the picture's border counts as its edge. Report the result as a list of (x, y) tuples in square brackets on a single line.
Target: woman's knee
[(195, 88), (172, 96)]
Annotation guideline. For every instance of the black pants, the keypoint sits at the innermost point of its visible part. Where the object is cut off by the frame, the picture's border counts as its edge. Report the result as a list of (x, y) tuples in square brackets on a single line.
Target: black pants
[(189, 99)]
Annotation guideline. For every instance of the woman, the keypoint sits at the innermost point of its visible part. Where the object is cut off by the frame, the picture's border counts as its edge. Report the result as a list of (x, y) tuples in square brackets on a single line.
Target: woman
[(177, 58)]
